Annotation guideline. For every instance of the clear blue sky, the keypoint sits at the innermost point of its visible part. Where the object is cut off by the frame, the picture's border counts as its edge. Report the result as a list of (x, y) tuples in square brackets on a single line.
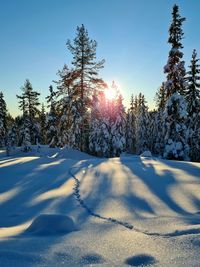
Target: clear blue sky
[(131, 35)]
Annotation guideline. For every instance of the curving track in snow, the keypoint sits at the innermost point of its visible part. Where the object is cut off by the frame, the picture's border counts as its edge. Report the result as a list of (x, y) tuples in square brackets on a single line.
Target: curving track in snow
[(89, 210)]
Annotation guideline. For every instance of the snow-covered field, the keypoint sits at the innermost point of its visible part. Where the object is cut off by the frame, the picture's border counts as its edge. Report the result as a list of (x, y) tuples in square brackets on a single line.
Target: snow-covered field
[(60, 207)]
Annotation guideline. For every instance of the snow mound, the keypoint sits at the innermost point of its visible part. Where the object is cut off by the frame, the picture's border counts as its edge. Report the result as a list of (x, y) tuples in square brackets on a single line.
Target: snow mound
[(51, 224), (146, 153)]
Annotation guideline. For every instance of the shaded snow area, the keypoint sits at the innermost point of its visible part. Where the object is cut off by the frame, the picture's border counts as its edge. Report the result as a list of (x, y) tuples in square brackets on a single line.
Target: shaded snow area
[(61, 207)]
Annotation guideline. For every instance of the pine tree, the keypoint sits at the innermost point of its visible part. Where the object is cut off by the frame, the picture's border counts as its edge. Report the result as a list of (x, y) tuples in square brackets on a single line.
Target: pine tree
[(192, 96), (3, 122), (175, 69), (28, 103), (175, 130), (107, 128), (52, 120), (83, 50), (130, 127), (161, 100), (12, 136), (95, 126), (152, 131), (160, 97), (176, 146), (69, 108), (142, 121), (42, 120), (118, 128)]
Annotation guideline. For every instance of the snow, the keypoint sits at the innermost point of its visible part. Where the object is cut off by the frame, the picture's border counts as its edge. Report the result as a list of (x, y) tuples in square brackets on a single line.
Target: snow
[(41, 190), (51, 224), (146, 153)]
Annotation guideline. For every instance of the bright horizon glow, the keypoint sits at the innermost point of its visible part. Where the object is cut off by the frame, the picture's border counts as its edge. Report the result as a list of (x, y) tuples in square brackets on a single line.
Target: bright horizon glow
[(110, 93)]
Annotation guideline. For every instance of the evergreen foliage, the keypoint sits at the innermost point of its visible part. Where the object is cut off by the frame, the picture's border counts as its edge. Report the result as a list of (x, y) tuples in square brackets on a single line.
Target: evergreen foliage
[(175, 115), (130, 127), (192, 96), (3, 124), (28, 103), (52, 120), (176, 146), (83, 50), (142, 121), (175, 69), (42, 120)]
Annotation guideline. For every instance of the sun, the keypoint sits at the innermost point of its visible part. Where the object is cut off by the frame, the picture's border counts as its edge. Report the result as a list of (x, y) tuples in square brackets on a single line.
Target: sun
[(110, 93)]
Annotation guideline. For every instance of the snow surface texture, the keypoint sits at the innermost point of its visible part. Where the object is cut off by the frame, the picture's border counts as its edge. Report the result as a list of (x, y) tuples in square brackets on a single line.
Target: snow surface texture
[(147, 154), (159, 198), (48, 224)]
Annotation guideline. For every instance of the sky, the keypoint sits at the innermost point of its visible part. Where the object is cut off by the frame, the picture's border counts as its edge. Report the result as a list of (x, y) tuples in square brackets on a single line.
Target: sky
[(131, 35)]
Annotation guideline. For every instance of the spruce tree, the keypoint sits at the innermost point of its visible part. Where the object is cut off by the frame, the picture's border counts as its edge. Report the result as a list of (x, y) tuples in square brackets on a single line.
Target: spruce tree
[(130, 127), (118, 128), (83, 50), (52, 120), (142, 121), (68, 102), (3, 124), (108, 123), (42, 120), (176, 141), (152, 131), (161, 100), (28, 103), (175, 69), (192, 93), (95, 126), (26, 136), (12, 136), (175, 114), (103, 126), (192, 96)]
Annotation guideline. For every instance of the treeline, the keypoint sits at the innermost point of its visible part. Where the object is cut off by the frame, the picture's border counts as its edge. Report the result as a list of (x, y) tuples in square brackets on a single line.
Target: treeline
[(81, 116)]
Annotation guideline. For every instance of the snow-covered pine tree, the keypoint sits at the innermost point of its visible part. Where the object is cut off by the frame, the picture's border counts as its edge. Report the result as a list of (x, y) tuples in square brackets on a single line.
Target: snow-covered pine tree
[(3, 124), (142, 122), (130, 127), (24, 133), (152, 130), (160, 99), (175, 69), (108, 122), (42, 121), (95, 126), (12, 136), (192, 96), (26, 137), (52, 120), (175, 114), (118, 127), (68, 103), (29, 103), (76, 122), (105, 122), (83, 50)]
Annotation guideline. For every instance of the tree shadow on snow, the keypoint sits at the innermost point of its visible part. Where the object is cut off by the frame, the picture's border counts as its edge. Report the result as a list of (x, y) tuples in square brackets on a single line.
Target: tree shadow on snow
[(158, 184)]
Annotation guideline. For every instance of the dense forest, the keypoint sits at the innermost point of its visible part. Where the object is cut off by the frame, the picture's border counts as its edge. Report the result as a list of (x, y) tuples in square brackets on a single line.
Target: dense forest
[(82, 116)]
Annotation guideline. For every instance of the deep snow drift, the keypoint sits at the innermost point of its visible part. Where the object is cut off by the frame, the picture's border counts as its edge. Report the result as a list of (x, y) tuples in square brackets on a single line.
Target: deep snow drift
[(60, 207)]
